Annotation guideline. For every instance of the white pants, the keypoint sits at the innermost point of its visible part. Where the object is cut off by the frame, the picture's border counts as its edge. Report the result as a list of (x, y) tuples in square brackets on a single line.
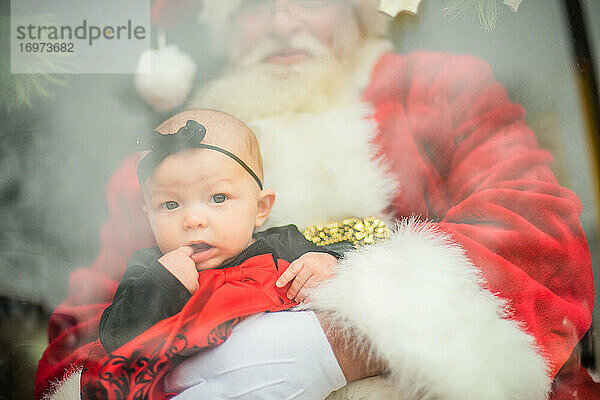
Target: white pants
[(278, 356)]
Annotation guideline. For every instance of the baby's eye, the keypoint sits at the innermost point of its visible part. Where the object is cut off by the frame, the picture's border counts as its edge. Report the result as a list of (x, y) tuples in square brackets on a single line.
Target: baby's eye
[(218, 198), (169, 205)]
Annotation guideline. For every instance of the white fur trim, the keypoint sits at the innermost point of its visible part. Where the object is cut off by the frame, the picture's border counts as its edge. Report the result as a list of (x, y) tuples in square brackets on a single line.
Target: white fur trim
[(67, 389), (370, 52), (421, 304)]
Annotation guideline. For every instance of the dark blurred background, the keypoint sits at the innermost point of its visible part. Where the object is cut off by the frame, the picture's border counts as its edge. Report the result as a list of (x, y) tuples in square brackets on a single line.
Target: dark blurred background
[(59, 145)]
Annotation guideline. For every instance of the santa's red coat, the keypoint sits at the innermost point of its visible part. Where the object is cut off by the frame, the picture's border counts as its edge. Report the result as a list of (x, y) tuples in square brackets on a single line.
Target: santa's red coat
[(477, 174), (481, 174)]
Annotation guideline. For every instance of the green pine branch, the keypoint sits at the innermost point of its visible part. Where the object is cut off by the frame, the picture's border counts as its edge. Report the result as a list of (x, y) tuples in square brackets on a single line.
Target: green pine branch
[(19, 91)]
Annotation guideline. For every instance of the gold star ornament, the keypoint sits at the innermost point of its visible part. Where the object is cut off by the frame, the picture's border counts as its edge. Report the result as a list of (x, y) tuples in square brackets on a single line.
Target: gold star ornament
[(395, 7)]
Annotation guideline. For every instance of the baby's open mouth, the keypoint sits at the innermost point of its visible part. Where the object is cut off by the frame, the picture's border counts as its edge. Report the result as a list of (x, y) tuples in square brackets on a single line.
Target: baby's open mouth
[(199, 247)]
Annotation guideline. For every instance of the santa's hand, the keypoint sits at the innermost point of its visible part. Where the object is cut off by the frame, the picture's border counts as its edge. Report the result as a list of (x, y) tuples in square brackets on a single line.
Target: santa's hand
[(281, 355), (307, 271)]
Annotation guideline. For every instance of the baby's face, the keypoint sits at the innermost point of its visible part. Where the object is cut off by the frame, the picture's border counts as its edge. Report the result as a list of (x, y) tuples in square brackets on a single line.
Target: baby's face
[(202, 198)]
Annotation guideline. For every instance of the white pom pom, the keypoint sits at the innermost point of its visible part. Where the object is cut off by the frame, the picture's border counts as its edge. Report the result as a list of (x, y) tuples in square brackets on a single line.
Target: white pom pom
[(164, 77)]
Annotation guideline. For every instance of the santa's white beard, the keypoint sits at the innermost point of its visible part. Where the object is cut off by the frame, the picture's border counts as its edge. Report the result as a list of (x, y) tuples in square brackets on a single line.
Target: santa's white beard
[(263, 90)]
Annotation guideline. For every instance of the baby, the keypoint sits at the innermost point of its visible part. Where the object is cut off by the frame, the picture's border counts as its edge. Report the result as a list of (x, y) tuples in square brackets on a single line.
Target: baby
[(204, 197)]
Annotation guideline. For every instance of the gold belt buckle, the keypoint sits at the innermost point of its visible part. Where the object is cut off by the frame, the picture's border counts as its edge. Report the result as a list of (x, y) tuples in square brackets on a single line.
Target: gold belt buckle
[(358, 231)]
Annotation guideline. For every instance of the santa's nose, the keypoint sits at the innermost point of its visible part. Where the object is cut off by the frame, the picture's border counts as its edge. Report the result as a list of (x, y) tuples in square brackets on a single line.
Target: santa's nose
[(283, 22)]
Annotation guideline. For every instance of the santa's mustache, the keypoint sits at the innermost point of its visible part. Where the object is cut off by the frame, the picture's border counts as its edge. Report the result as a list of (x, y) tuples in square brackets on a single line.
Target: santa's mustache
[(300, 43)]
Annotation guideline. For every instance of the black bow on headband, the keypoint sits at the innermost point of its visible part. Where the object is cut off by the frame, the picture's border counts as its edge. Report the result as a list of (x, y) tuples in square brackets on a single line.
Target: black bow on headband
[(188, 136)]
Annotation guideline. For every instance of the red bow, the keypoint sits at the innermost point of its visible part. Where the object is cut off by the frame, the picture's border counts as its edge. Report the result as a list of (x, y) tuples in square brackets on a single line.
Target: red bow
[(225, 296)]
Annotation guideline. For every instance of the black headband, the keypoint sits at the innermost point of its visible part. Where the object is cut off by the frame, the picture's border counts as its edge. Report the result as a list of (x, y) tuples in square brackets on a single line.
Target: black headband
[(188, 136)]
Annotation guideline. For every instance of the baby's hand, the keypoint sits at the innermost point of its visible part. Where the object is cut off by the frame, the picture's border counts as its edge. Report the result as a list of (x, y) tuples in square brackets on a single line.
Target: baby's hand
[(307, 271), (179, 263)]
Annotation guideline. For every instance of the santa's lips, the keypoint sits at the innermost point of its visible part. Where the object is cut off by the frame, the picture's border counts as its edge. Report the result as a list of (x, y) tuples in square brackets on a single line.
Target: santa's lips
[(200, 247), (287, 56)]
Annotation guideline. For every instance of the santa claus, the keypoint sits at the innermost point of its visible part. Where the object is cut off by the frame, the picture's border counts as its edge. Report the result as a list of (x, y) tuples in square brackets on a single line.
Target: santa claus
[(484, 286)]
